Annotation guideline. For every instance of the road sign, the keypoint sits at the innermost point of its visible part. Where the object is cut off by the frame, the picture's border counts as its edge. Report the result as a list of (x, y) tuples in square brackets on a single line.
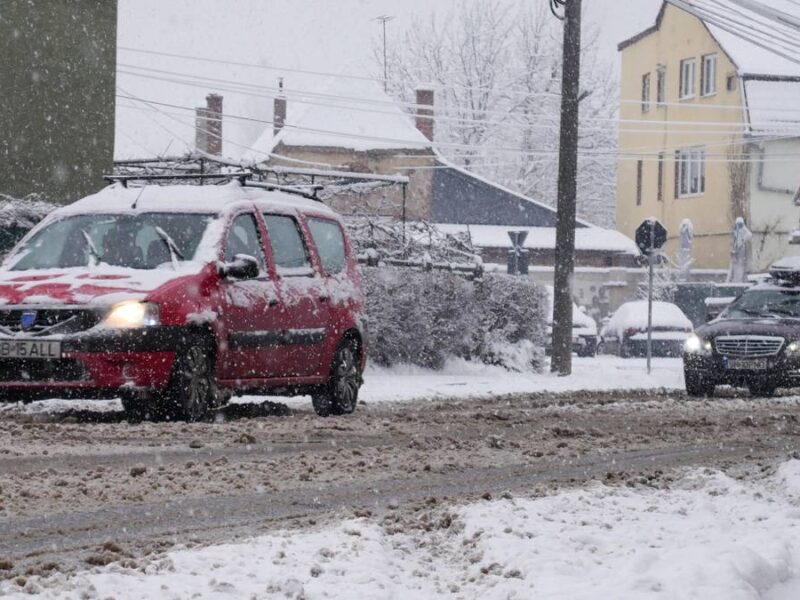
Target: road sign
[(518, 256), (650, 236)]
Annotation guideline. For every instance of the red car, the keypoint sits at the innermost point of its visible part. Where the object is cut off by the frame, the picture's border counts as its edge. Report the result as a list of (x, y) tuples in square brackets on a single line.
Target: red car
[(174, 297)]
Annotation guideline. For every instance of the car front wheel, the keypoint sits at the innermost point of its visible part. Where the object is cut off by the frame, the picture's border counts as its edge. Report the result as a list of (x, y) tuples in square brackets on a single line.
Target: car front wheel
[(697, 384), (189, 394), (340, 395)]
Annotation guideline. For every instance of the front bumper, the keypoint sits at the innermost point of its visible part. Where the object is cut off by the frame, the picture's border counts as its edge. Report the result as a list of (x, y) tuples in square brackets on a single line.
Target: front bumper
[(96, 363), (782, 370)]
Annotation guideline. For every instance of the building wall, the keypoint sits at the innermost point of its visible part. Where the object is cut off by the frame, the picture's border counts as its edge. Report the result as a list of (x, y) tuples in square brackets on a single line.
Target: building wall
[(57, 101), (774, 180), (385, 201), (678, 125)]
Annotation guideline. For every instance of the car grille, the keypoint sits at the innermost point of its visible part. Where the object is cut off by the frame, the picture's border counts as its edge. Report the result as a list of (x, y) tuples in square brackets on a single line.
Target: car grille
[(748, 346), (47, 321)]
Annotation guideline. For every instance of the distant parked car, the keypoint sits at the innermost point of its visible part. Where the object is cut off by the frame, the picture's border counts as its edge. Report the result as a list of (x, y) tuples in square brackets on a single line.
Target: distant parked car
[(584, 329), (625, 333)]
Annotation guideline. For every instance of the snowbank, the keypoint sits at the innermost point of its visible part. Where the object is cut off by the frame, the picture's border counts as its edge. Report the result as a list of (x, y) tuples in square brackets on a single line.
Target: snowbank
[(709, 537)]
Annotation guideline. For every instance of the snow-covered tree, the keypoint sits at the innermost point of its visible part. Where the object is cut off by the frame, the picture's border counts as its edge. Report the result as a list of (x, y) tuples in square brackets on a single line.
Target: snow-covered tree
[(496, 71)]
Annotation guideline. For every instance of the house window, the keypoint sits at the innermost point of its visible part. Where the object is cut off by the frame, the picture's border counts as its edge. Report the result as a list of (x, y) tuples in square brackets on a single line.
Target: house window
[(639, 174), (730, 83), (645, 92), (660, 177), (708, 75), (691, 173), (661, 85), (687, 78)]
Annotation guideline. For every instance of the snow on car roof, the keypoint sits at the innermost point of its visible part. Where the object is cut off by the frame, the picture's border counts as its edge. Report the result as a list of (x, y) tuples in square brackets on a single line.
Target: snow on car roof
[(633, 315), (185, 198)]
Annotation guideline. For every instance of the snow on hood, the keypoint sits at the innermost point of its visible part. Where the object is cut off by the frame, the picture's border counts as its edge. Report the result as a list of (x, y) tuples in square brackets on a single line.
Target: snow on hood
[(102, 285)]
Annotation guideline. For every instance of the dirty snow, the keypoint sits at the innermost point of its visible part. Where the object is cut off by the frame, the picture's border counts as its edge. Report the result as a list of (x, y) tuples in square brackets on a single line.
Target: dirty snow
[(706, 535)]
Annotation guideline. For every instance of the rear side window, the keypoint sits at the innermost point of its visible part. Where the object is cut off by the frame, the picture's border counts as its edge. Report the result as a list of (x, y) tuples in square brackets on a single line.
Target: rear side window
[(328, 239), (243, 238), (288, 250)]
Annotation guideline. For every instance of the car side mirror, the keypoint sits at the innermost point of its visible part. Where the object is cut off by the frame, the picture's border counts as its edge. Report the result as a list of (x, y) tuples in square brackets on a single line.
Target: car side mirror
[(243, 266)]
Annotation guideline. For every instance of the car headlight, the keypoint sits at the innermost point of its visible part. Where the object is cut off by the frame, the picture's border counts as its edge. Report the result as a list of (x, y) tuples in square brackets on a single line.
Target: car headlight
[(793, 347), (695, 345), (132, 314)]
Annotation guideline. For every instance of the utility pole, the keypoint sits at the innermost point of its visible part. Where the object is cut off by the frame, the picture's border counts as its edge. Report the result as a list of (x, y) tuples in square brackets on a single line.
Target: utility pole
[(383, 19), (561, 359)]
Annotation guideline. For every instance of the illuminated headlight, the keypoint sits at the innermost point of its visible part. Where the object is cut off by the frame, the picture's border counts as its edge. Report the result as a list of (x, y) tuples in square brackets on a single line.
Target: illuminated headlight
[(694, 345), (132, 315), (793, 348)]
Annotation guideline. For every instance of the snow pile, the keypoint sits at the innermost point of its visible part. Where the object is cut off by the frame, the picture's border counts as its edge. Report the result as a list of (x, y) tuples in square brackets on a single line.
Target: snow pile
[(18, 216), (708, 536), (424, 318)]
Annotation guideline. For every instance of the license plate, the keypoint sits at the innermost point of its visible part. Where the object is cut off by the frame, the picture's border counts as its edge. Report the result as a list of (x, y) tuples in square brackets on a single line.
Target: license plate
[(29, 349), (747, 364)]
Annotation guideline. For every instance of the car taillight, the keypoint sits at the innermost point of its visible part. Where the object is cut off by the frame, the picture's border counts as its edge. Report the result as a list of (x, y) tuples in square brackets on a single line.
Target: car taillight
[(631, 331)]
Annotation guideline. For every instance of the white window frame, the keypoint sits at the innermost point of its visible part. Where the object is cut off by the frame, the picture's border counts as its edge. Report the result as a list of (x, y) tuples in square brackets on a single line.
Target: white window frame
[(661, 85), (688, 77), (691, 167), (646, 92), (708, 79)]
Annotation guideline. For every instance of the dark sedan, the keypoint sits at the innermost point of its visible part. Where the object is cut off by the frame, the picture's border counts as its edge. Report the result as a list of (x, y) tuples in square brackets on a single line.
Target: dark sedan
[(754, 343)]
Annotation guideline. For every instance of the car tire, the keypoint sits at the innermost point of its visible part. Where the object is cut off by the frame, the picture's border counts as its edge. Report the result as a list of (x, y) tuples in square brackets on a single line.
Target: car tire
[(189, 395), (697, 385), (339, 396), (762, 389)]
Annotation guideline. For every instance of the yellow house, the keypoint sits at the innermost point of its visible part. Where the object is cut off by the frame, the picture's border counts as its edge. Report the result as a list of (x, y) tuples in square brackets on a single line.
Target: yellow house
[(709, 128)]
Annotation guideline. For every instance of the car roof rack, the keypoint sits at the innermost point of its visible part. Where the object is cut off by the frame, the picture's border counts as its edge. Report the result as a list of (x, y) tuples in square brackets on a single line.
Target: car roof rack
[(124, 179), (306, 191)]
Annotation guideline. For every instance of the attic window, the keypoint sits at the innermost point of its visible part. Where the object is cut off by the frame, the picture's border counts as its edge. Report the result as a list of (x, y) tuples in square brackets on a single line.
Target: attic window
[(708, 75), (661, 85), (646, 92)]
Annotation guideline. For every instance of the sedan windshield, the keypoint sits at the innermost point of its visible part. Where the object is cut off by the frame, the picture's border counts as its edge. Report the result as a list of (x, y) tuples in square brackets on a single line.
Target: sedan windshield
[(776, 303), (140, 241)]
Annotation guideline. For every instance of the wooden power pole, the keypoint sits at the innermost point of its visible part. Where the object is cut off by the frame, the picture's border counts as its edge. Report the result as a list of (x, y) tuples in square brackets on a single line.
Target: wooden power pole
[(561, 359)]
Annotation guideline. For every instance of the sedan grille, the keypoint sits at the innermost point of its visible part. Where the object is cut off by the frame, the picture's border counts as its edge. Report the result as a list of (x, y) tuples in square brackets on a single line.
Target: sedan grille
[(47, 321), (748, 346)]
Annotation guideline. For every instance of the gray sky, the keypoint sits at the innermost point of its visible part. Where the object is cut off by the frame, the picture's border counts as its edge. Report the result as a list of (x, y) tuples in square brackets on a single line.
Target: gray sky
[(331, 36)]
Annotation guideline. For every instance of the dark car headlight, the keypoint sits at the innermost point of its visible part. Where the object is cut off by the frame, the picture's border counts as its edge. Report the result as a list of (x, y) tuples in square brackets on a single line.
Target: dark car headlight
[(694, 344)]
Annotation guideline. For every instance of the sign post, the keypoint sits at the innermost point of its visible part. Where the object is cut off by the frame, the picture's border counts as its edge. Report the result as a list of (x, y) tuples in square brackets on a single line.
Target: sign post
[(650, 237), (518, 255)]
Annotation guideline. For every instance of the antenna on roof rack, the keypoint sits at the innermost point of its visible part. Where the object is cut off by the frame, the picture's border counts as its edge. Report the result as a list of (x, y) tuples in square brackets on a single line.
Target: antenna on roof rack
[(298, 190)]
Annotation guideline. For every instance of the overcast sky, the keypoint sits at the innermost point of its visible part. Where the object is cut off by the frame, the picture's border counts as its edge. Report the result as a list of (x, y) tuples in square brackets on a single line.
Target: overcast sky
[(331, 36)]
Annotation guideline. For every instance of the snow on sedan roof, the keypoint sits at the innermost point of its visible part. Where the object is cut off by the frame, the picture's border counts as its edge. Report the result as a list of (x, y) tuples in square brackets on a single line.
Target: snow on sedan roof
[(633, 315), (184, 198)]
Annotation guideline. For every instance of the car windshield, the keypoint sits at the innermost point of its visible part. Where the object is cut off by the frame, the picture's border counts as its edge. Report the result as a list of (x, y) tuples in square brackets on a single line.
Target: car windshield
[(140, 241), (776, 303)]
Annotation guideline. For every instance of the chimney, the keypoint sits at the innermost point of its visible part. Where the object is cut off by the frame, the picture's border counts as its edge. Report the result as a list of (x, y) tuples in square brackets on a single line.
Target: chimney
[(279, 109), (208, 126), (425, 115)]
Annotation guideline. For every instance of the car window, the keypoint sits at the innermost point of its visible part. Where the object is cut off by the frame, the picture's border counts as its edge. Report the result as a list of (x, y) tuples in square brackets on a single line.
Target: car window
[(329, 240), (288, 249), (765, 303), (140, 241), (243, 238)]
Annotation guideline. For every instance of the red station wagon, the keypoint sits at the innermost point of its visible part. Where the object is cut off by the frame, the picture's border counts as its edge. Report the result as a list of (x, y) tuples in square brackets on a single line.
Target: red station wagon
[(174, 297)]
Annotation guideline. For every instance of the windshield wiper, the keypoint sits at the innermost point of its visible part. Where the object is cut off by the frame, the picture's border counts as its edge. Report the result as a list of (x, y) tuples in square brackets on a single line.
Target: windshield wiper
[(92, 248), (174, 252)]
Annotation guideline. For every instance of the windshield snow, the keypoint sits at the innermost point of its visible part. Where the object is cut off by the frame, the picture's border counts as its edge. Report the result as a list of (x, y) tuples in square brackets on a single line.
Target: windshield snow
[(141, 241), (775, 303)]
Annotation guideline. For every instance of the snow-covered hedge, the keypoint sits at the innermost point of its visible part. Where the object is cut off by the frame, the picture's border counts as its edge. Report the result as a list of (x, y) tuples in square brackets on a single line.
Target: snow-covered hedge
[(426, 317), (18, 216)]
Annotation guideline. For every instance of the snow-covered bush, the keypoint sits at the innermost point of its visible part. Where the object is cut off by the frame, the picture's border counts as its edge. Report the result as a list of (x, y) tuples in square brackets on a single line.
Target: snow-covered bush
[(426, 317), (18, 216)]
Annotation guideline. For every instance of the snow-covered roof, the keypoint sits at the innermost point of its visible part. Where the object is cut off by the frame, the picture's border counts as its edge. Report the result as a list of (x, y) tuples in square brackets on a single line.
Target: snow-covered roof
[(184, 198), (773, 106), (756, 43), (544, 238), (345, 113)]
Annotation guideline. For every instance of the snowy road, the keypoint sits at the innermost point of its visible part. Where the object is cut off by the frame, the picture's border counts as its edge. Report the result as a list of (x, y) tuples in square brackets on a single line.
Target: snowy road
[(80, 489)]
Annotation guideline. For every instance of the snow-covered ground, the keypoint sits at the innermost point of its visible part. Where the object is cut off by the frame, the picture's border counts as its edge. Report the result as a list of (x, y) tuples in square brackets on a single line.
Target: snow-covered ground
[(709, 536), (462, 379)]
